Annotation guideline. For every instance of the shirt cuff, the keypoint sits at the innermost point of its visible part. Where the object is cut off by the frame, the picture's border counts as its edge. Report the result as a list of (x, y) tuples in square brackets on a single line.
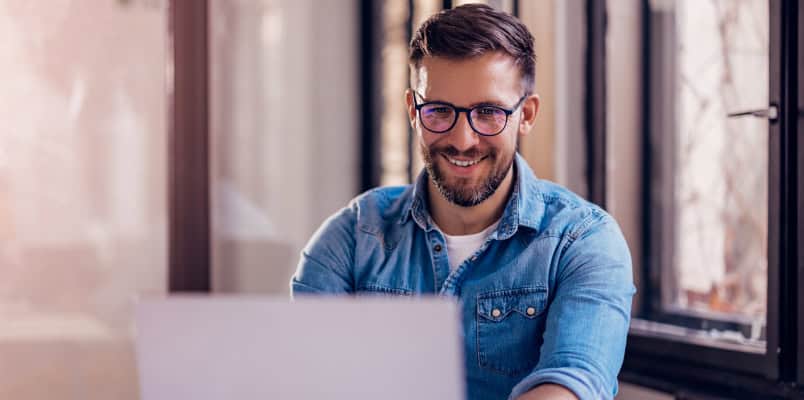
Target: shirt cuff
[(574, 379)]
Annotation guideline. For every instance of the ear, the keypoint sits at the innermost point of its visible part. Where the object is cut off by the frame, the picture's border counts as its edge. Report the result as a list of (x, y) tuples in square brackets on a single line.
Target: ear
[(530, 109), (411, 107)]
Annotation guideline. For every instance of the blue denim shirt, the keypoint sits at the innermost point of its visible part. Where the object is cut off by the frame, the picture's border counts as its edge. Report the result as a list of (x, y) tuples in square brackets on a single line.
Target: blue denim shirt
[(546, 298)]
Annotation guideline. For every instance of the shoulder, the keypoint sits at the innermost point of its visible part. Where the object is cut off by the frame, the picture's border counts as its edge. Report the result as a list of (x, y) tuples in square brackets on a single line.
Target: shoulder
[(368, 212), (590, 238), (565, 213), (376, 207)]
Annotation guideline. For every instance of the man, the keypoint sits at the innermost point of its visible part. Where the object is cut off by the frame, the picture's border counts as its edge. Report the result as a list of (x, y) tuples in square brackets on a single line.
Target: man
[(543, 277)]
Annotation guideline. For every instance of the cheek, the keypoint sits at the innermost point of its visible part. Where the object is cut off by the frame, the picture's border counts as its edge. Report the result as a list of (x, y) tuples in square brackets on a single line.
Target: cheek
[(430, 139), (511, 138), (504, 142)]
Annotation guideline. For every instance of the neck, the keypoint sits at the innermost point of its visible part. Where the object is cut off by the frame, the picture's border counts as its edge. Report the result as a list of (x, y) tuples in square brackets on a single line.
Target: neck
[(456, 220)]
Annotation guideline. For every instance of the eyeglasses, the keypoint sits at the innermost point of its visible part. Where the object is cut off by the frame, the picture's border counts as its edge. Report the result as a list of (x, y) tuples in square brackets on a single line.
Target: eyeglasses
[(485, 119)]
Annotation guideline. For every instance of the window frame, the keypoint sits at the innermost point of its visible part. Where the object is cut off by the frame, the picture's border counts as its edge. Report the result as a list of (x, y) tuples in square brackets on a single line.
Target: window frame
[(685, 368), (800, 170), (595, 101), (660, 78), (371, 41)]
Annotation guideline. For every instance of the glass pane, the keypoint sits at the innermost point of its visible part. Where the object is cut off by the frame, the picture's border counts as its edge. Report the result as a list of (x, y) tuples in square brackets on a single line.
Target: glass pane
[(714, 188), (82, 192), (722, 178), (284, 130)]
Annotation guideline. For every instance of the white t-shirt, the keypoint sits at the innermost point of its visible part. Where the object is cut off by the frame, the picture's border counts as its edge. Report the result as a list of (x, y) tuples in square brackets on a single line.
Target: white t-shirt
[(459, 248)]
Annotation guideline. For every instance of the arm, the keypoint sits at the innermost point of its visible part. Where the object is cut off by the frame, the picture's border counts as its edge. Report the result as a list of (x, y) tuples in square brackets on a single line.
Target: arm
[(326, 261), (587, 322), (548, 391)]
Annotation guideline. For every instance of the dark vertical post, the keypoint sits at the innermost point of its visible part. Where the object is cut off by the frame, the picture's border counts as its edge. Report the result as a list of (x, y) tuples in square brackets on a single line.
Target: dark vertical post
[(779, 299), (646, 287), (783, 292), (411, 134), (371, 39), (446, 4), (661, 137), (188, 147), (596, 100), (800, 183), (799, 67)]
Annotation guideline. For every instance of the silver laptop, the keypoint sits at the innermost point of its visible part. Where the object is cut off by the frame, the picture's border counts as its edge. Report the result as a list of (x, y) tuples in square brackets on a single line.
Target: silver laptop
[(206, 348)]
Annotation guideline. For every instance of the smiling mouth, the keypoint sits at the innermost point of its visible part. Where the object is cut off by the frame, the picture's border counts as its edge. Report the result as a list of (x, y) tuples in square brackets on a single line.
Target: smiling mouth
[(464, 163)]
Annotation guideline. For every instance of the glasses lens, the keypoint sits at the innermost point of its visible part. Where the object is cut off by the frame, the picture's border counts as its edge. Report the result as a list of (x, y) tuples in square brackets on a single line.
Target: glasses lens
[(437, 117), (489, 120)]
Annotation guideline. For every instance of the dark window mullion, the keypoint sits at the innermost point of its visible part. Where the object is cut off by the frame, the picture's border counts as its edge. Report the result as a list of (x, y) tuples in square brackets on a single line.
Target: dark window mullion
[(371, 40), (595, 119), (782, 274), (188, 149), (798, 65), (411, 134)]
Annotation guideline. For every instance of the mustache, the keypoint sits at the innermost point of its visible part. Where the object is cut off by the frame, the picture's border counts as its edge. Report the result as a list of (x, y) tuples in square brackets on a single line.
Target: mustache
[(453, 152)]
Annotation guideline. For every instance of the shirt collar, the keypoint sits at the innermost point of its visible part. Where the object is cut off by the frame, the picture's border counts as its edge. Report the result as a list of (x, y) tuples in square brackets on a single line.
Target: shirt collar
[(524, 206)]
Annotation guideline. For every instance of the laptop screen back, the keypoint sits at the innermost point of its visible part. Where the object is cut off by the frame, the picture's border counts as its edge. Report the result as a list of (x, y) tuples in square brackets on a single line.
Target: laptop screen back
[(206, 348)]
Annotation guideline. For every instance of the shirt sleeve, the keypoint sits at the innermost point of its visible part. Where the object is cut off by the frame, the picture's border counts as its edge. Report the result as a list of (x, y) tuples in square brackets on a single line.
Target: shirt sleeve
[(587, 322), (325, 265)]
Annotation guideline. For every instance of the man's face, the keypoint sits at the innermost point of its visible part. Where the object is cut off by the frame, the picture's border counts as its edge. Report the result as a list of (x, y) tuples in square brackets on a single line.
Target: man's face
[(491, 79)]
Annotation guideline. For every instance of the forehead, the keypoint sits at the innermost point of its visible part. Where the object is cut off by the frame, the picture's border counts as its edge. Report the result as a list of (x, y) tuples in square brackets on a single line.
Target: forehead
[(490, 77)]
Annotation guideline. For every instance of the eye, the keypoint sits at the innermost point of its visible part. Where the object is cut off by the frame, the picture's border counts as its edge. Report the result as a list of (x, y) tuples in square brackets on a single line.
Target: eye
[(438, 111), (488, 112)]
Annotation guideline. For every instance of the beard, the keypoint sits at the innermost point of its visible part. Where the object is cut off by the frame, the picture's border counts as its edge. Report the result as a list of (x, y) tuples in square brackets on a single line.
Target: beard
[(461, 191)]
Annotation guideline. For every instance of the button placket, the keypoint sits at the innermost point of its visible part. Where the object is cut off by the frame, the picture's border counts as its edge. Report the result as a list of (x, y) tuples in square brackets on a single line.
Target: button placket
[(439, 259)]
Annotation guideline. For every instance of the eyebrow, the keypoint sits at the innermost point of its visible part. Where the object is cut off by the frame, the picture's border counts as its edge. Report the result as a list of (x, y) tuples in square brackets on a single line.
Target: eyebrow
[(480, 103)]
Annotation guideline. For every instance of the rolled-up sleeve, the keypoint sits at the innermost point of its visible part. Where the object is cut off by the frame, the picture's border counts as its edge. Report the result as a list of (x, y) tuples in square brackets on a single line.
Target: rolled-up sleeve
[(588, 319), (325, 264)]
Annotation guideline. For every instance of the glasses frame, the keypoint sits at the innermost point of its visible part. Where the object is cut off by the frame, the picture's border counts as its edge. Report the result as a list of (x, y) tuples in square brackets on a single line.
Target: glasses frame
[(468, 111)]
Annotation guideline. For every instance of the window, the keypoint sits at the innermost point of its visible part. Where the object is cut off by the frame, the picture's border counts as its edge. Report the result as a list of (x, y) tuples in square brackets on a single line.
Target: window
[(699, 165), (708, 185)]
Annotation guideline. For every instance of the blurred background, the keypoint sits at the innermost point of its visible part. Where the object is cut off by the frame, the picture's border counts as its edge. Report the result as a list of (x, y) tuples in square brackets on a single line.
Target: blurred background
[(156, 146)]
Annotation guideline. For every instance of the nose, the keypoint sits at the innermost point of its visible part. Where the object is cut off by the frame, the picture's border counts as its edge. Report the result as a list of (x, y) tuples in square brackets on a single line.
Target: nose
[(462, 136)]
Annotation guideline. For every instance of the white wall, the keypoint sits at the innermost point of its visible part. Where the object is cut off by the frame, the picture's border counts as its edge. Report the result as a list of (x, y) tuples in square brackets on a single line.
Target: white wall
[(83, 179)]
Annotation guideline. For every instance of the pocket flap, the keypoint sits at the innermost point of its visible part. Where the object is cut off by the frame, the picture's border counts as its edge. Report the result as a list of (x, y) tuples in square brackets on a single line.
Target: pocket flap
[(495, 306)]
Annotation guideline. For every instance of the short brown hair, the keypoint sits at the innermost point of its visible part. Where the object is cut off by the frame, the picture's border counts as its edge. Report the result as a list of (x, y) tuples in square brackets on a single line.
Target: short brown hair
[(473, 30)]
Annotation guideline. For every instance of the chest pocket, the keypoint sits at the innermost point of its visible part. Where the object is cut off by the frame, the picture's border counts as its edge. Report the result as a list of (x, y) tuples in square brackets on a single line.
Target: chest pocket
[(510, 328)]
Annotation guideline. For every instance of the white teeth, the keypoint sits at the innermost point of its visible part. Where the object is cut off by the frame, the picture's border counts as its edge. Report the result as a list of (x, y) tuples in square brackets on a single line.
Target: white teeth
[(464, 163)]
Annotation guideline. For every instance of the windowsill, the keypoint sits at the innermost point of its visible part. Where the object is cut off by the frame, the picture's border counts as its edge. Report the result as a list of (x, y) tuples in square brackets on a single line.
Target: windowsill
[(724, 340)]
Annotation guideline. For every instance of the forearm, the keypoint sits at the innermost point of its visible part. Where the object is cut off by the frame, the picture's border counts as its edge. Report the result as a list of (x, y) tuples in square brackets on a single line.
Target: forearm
[(548, 391)]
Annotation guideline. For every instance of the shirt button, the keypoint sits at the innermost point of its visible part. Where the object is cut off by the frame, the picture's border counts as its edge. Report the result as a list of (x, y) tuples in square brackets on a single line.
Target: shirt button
[(531, 311), (437, 248), (495, 312)]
